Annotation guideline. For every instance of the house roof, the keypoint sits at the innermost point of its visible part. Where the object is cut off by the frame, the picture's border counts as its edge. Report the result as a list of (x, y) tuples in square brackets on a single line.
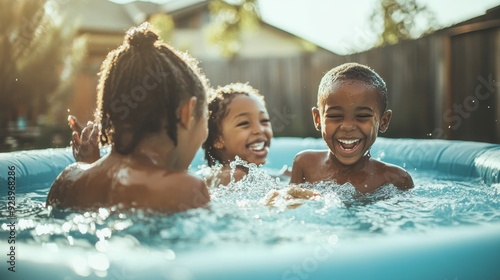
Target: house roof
[(106, 17), (96, 15), (182, 6), (491, 14), (109, 17), (490, 19)]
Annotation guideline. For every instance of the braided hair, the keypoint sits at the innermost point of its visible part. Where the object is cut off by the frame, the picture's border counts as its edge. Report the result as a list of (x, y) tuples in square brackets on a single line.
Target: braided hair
[(218, 108), (141, 85)]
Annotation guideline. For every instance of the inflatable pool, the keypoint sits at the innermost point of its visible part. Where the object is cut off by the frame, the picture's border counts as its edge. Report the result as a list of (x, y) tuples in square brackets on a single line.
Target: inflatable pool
[(448, 227)]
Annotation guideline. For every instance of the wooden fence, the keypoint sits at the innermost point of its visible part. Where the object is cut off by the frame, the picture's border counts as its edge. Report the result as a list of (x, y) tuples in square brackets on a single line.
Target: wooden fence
[(444, 85)]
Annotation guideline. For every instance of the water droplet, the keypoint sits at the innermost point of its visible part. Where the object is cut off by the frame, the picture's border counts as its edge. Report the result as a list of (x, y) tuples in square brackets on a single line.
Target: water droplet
[(169, 255), (333, 239)]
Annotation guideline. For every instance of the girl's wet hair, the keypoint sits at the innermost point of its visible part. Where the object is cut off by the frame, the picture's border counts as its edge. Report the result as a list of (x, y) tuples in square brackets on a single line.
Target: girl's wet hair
[(141, 85), (218, 108), (349, 72)]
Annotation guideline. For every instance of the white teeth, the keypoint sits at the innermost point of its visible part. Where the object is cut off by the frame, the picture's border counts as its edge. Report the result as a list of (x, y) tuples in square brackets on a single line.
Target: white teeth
[(257, 146), (347, 142)]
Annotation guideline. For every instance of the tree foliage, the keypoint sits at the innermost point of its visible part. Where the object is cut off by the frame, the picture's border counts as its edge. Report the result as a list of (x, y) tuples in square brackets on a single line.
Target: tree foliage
[(164, 24), (38, 54), (229, 20), (401, 20)]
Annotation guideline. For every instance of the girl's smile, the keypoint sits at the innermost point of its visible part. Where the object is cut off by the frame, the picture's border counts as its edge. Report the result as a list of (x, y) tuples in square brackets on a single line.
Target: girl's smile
[(246, 131)]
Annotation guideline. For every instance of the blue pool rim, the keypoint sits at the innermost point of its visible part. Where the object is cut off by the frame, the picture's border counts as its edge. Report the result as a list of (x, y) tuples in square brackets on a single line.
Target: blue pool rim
[(454, 157)]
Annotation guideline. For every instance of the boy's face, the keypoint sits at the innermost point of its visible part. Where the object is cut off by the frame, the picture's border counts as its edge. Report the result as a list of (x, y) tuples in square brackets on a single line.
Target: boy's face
[(246, 131), (349, 120)]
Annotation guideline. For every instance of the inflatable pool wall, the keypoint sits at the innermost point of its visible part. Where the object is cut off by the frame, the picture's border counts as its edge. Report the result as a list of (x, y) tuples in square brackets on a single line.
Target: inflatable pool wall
[(462, 252), (463, 158)]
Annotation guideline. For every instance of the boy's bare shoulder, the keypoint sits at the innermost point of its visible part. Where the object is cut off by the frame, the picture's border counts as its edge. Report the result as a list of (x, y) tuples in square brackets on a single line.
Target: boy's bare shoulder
[(397, 176), (306, 164), (310, 155)]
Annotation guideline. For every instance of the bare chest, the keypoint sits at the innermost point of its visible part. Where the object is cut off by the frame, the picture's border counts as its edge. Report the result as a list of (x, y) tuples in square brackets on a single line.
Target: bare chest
[(364, 181)]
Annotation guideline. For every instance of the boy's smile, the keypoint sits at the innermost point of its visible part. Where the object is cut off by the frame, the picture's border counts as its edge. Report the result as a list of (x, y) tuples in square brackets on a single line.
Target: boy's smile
[(349, 120), (348, 146), (246, 131)]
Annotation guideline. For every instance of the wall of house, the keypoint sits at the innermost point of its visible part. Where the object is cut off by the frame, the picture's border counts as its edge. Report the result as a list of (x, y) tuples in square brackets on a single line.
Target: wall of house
[(264, 42), (84, 96)]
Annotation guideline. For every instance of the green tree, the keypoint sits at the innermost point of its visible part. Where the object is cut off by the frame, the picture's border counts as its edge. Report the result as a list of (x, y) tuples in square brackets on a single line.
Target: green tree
[(38, 54), (229, 21), (401, 20), (164, 24)]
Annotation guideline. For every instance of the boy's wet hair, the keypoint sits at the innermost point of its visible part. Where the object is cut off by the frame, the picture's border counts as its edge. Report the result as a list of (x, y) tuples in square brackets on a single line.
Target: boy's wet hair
[(349, 72), (218, 104), (141, 85)]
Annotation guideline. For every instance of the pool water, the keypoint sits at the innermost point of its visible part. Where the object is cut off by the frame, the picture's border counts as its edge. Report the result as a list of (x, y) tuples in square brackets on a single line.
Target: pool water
[(203, 243), (237, 215)]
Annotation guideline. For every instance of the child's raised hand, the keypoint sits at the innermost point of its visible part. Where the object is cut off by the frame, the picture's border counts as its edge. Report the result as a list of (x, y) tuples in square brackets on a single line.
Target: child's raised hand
[(85, 140), (74, 124)]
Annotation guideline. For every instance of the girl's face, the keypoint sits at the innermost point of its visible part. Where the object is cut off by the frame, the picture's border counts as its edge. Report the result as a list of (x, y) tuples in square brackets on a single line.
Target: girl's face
[(350, 119), (246, 131)]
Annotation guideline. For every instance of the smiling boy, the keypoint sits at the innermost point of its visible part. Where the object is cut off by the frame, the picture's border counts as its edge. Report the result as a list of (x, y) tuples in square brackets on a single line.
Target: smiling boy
[(352, 109)]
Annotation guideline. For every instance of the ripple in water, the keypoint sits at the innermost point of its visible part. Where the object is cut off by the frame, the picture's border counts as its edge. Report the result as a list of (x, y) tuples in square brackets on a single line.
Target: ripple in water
[(237, 214)]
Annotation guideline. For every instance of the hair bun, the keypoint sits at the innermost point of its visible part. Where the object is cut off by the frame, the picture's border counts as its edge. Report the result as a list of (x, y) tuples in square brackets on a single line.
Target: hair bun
[(141, 36)]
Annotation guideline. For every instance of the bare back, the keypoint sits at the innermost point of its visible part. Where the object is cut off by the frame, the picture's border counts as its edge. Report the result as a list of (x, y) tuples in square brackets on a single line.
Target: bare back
[(118, 180), (367, 176)]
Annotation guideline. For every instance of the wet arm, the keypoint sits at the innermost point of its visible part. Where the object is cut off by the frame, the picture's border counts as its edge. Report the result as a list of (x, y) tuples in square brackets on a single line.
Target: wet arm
[(297, 175)]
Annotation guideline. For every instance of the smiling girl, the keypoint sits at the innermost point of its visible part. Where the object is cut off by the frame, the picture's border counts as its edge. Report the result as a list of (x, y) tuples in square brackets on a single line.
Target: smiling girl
[(238, 126)]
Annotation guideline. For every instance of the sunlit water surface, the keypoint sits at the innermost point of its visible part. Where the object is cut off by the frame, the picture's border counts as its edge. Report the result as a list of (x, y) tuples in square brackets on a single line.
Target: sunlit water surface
[(237, 216)]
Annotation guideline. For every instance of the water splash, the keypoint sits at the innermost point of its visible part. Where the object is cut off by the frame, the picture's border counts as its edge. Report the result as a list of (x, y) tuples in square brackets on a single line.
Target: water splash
[(237, 215)]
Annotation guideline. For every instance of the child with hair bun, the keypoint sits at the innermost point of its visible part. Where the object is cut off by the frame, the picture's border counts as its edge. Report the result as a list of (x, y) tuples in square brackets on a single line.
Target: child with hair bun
[(152, 110)]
